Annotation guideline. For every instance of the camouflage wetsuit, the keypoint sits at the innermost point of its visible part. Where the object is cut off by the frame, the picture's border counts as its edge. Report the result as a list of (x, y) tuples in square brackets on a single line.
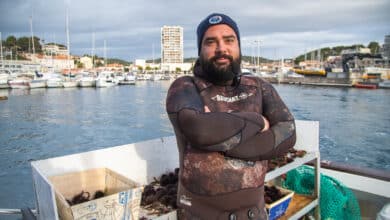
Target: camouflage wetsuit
[(223, 153)]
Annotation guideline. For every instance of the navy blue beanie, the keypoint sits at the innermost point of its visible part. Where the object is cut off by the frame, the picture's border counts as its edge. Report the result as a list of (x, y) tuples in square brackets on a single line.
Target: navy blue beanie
[(215, 19)]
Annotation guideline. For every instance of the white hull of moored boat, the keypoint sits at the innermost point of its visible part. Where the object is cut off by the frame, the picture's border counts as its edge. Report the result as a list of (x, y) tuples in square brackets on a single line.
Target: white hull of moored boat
[(4, 84), (70, 84), (104, 84), (19, 84), (39, 83), (87, 83), (54, 84)]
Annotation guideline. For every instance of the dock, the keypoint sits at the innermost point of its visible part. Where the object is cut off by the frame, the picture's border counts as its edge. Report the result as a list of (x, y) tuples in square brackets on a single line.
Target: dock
[(312, 81)]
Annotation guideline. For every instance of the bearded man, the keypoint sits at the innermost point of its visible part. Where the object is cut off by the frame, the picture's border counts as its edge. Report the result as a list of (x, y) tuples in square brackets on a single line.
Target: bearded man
[(227, 126)]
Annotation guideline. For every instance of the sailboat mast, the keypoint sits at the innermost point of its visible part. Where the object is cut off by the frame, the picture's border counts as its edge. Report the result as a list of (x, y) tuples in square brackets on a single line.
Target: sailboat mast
[(105, 54), (93, 50), (32, 36), (1, 52), (67, 37)]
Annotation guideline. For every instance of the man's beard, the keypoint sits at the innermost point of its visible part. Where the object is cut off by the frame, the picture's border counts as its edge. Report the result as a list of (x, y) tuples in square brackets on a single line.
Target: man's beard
[(220, 74)]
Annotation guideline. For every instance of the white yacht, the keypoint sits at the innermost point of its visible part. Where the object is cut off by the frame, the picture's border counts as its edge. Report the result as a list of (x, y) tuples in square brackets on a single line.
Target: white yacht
[(20, 83), (105, 79), (87, 80), (156, 77), (129, 79), (55, 80), (39, 81), (4, 78), (70, 83)]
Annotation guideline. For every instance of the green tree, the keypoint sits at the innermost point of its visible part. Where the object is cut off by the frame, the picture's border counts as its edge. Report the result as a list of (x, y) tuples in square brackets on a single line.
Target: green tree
[(80, 65), (98, 63), (10, 42), (148, 68), (140, 68), (24, 44), (178, 69), (374, 47), (37, 44), (126, 69)]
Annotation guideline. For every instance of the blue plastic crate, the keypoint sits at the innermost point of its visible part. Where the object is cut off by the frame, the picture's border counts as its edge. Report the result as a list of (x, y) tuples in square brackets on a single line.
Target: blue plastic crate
[(278, 208)]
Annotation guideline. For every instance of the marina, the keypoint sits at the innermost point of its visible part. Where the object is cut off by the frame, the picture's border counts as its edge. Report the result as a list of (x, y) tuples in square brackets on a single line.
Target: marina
[(43, 123)]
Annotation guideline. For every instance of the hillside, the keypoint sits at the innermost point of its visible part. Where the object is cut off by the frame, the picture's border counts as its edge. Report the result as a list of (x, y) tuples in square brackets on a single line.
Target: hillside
[(335, 51)]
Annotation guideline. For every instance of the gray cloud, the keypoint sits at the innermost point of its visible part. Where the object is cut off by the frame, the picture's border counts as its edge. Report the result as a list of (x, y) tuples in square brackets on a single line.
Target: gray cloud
[(132, 27)]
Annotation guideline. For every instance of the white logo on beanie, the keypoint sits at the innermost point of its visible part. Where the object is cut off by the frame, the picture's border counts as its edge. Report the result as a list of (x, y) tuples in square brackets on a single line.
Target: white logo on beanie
[(215, 19)]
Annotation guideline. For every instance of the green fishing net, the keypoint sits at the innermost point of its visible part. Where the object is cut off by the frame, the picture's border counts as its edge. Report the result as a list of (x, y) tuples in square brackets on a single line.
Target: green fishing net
[(336, 200)]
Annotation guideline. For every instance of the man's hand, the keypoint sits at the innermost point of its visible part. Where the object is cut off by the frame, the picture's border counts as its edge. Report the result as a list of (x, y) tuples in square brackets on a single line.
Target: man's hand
[(266, 124), (206, 109)]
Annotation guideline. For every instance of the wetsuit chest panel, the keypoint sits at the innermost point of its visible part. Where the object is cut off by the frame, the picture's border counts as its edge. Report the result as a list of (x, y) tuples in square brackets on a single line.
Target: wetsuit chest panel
[(223, 99)]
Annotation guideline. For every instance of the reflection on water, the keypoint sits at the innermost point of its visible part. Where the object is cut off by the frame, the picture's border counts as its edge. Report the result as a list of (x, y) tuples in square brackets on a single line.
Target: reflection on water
[(349, 121), (43, 123)]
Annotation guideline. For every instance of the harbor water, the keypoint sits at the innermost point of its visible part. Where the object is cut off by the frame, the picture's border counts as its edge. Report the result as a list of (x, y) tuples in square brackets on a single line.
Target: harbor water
[(44, 123)]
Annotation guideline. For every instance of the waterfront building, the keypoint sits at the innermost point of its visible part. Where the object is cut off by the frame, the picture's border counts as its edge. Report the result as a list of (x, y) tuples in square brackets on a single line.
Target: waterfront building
[(140, 63), (54, 49), (386, 48), (171, 44), (54, 63), (360, 50), (18, 66), (87, 62), (176, 67)]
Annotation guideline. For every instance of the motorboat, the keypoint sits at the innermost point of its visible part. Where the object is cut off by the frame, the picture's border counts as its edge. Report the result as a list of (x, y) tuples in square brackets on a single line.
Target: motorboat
[(69, 83), (385, 84), (310, 72), (20, 83), (38, 82), (54, 80), (129, 79), (4, 78), (156, 77), (87, 80), (105, 79), (363, 85)]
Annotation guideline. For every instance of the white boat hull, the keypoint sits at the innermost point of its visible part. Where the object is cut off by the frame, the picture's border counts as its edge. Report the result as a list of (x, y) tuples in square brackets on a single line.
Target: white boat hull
[(4, 85), (104, 84), (19, 84), (87, 83), (54, 84), (127, 82), (37, 84), (69, 84)]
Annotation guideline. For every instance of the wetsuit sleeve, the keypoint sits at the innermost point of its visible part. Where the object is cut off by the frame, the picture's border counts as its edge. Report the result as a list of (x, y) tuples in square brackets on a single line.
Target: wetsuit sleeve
[(278, 139), (213, 131)]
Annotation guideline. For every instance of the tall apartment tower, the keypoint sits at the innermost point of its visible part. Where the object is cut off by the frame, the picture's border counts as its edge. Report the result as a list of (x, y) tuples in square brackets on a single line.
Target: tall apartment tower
[(171, 44), (386, 48)]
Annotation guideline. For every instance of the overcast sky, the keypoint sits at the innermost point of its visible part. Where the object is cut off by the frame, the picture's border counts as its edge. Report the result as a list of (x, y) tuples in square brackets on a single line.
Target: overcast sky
[(131, 28)]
